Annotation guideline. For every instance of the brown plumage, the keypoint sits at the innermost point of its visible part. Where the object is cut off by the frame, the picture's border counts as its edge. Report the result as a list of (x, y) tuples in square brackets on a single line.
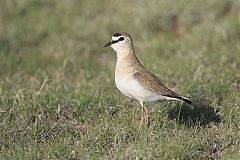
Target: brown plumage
[(131, 77), (151, 82)]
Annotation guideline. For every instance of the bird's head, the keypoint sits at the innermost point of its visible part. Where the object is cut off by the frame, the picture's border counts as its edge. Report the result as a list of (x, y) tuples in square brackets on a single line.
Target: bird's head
[(120, 42)]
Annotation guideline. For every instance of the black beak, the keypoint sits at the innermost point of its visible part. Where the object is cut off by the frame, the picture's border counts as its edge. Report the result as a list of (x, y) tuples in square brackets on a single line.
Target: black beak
[(107, 44)]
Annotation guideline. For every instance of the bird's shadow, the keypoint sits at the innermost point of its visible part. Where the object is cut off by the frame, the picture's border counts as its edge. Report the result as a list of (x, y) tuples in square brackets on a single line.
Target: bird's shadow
[(200, 114)]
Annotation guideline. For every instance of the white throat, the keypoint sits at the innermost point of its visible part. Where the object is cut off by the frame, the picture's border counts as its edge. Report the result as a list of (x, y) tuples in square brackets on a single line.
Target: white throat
[(121, 51)]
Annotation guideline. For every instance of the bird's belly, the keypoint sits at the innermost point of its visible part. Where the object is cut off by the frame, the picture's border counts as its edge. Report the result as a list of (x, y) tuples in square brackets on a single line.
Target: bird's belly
[(132, 88)]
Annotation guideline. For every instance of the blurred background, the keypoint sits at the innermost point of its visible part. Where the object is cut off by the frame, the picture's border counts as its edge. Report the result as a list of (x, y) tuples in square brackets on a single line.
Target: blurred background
[(61, 39), (53, 70)]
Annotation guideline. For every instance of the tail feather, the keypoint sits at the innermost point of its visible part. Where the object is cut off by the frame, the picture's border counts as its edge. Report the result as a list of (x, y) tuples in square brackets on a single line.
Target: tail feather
[(186, 100)]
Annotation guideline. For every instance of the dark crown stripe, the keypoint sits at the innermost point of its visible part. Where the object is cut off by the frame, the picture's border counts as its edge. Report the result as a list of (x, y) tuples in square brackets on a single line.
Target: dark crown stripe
[(116, 34)]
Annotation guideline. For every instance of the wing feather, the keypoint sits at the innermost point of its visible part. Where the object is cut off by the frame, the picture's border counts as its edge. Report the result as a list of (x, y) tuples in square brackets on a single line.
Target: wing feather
[(151, 82)]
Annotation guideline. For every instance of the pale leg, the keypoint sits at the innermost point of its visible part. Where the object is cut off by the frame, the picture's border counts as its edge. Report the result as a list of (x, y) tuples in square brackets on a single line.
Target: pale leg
[(144, 114), (142, 118)]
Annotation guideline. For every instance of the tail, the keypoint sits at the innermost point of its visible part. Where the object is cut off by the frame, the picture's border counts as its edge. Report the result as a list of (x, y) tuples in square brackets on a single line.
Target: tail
[(186, 100)]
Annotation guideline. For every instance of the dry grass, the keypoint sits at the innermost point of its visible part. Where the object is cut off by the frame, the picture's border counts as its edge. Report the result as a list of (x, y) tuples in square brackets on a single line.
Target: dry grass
[(57, 94)]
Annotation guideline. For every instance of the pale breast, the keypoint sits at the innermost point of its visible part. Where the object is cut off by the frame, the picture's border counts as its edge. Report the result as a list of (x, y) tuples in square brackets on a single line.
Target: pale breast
[(123, 83), (130, 87)]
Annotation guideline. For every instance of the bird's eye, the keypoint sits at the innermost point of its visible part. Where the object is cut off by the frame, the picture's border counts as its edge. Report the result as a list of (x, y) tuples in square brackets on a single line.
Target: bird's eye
[(121, 39)]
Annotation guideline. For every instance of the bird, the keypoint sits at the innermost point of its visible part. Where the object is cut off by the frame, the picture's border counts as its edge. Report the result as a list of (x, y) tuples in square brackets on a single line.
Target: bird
[(133, 80)]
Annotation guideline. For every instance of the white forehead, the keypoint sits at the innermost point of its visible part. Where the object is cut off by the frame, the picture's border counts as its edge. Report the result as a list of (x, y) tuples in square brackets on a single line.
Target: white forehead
[(116, 38)]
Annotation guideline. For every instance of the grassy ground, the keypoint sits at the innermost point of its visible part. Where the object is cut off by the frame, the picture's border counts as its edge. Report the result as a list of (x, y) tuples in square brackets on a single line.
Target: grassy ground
[(58, 99)]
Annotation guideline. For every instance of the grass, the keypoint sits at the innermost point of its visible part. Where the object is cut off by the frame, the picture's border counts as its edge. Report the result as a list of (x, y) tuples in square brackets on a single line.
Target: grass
[(57, 91)]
